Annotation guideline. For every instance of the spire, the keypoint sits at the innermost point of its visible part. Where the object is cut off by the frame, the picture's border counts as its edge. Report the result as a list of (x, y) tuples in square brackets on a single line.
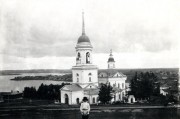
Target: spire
[(110, 52), (83, 26)]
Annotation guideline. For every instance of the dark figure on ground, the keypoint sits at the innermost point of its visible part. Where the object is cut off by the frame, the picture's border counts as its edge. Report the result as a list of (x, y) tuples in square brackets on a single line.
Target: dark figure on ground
[(85, 108)]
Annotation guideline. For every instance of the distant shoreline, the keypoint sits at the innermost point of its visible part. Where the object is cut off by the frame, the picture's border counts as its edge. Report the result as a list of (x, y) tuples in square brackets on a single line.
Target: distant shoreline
[(66, 77), (1, 74)]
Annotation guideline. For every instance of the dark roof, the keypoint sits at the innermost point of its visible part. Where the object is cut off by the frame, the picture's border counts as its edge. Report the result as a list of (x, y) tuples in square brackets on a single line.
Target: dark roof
[(165, 90), (83, 38), (91, 84)]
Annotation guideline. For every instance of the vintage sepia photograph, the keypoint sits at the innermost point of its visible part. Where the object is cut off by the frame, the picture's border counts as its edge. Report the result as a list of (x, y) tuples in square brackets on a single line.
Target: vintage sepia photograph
[(89, 59)]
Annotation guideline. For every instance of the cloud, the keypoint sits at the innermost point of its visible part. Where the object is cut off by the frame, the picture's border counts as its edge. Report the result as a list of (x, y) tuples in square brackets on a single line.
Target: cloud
[(38, 29)]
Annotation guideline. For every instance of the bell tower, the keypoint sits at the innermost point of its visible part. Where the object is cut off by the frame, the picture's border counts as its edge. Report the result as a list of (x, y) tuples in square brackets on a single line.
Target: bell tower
[(83, 47), (84, 73)]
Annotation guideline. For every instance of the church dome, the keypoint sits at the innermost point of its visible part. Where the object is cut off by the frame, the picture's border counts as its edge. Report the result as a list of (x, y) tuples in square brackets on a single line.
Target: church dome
[(111, 59), (83, 39)]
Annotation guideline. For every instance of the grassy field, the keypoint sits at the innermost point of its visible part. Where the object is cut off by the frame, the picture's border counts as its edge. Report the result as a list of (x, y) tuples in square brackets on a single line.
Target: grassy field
[(34, 113)]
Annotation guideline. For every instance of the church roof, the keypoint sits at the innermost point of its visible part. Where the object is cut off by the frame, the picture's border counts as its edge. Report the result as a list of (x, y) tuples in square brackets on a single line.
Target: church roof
[(111, 73), (91, 84), (73, 87), (111, 59), (83, 39)]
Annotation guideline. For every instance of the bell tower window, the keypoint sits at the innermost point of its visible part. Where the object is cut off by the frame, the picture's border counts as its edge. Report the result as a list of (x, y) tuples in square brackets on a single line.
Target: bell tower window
[(78, 58), (87, 58), (89, 79)]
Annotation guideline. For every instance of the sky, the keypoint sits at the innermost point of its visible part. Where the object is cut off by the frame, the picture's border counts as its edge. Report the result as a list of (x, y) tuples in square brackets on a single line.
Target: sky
[(42, 34)]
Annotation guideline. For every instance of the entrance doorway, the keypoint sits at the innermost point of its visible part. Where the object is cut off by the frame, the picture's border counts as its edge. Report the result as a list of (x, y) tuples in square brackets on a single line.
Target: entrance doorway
[(131, 100), (66, 99), (77, 100)]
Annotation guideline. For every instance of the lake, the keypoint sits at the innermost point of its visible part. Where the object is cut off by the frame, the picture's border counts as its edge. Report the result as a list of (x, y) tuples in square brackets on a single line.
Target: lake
[(6, 85), (165, 113)]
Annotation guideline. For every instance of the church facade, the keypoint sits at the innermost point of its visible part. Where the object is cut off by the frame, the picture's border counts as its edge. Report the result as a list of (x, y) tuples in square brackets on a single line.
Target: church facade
[(85, 77), (115, 78)]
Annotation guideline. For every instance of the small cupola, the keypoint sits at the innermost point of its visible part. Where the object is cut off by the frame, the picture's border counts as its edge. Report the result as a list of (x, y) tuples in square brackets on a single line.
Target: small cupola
[(111, 62)]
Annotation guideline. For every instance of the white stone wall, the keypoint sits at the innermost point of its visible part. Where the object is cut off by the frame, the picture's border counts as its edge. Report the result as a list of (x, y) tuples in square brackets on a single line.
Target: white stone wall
[(72, 96), (111, 65), (69, 93), (116, 81), (77, 94), (90, 98), (84, 76), (119, 96)]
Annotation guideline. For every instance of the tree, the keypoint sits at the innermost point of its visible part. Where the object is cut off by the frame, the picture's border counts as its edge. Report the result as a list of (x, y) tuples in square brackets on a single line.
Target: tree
[(30, 92), (144, 85), (105, 93), (133, 85)]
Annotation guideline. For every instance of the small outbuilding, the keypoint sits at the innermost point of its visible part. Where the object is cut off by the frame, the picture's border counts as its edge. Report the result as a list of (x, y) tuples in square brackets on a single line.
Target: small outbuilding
[(131, 99)]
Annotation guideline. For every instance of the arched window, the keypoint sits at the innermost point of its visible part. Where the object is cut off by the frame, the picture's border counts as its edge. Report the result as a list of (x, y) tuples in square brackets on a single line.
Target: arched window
[(120, 96), (78, 56), (77, 79), (66, 99), (89, 79), (77, 100), (89, 74), (87, 57), (94, 100), (122, 85), (77, 74)]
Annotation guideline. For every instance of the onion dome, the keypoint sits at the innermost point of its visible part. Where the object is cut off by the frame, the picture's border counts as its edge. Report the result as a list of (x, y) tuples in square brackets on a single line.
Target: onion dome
[(111, 59)]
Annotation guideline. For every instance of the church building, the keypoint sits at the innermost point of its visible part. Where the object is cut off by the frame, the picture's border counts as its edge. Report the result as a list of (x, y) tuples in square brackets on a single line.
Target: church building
[(85, 76), (115, 78)]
